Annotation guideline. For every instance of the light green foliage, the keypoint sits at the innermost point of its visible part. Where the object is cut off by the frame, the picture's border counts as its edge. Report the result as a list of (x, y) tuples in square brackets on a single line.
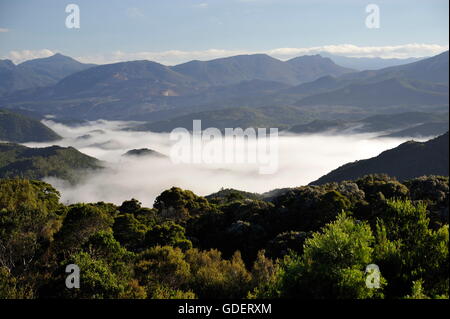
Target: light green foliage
[(162, 266), (410, 250), (314, 249), (214, 277), (333, 262)]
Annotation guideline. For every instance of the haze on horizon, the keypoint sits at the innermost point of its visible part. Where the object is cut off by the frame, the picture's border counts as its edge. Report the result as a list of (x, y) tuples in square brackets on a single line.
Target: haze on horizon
[(172, 32)]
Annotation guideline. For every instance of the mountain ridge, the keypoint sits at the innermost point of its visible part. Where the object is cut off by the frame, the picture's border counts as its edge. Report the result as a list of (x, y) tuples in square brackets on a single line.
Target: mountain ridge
[(408, 160)]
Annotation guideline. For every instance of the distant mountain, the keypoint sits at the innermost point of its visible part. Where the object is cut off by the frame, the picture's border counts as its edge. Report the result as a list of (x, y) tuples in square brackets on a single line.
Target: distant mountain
[(408, 160), (320, 85), (406, 124), (38, 163), (19, 128), (422, 130), (434, 69), (244, 117), (36, 73), (14, 78), (400, 121), (149, 91), (431, 70), (319, 126), (312, 67), (390, 92), (362, 63), (240, 68), (136, 79), (55, 67)]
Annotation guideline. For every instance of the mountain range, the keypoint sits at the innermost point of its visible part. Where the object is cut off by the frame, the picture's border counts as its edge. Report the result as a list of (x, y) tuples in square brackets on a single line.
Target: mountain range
[(412, 124), (37, 72), (363, 63), (313, 86)]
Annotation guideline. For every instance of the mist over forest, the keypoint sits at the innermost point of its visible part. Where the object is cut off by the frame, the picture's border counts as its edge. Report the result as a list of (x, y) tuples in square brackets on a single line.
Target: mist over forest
[(302, 159)]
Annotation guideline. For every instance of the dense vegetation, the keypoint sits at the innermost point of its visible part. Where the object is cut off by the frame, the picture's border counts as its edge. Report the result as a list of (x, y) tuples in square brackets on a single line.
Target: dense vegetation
[(36, 163), (19, 129), (306, 242)]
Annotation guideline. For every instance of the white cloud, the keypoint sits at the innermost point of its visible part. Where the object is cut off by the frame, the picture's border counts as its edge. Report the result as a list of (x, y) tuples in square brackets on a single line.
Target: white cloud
[(172, 57), (394, 51), (165, 57), (24, 55), (4, 30), (201, 5), (134, 12), (147, 177)]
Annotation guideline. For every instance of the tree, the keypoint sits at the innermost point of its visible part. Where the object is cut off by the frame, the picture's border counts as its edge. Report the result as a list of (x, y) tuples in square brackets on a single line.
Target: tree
[(130, 232), (81, 222), (179, 205), (213, 277), (167, 234), (29, 216), (159, 267), (410, 251), (333, 263)]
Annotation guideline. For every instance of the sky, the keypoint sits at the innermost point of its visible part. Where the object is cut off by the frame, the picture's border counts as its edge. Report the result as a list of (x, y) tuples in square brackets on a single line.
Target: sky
[(175, 31)]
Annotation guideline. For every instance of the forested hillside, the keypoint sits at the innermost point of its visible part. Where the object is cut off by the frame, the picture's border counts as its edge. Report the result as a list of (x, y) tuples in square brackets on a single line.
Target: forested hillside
[(36, 163), (19, 128), (306, 242)]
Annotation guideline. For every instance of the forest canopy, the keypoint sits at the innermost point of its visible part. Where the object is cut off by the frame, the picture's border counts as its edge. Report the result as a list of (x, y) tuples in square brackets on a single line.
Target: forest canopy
[(305, 242)]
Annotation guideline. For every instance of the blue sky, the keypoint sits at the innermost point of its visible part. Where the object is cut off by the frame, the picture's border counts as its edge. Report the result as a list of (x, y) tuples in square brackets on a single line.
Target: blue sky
[(172, 31)]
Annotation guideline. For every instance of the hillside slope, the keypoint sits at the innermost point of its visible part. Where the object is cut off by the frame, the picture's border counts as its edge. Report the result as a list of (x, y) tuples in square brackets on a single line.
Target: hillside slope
[(20, 129), (55, 67), (38, 163), (408, 160)]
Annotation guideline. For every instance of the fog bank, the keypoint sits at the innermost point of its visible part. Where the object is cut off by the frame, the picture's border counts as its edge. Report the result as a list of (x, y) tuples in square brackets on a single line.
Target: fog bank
[(302, 159)]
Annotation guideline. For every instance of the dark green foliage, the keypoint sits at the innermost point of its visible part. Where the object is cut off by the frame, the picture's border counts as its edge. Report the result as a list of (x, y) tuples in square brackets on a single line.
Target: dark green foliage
[(19, 128), (180, 205), (285, 242), (410, 251), (81, 222), (37, 163), (306, 242), (167, 234), (129, 231), (230, 195), (144, 152)]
